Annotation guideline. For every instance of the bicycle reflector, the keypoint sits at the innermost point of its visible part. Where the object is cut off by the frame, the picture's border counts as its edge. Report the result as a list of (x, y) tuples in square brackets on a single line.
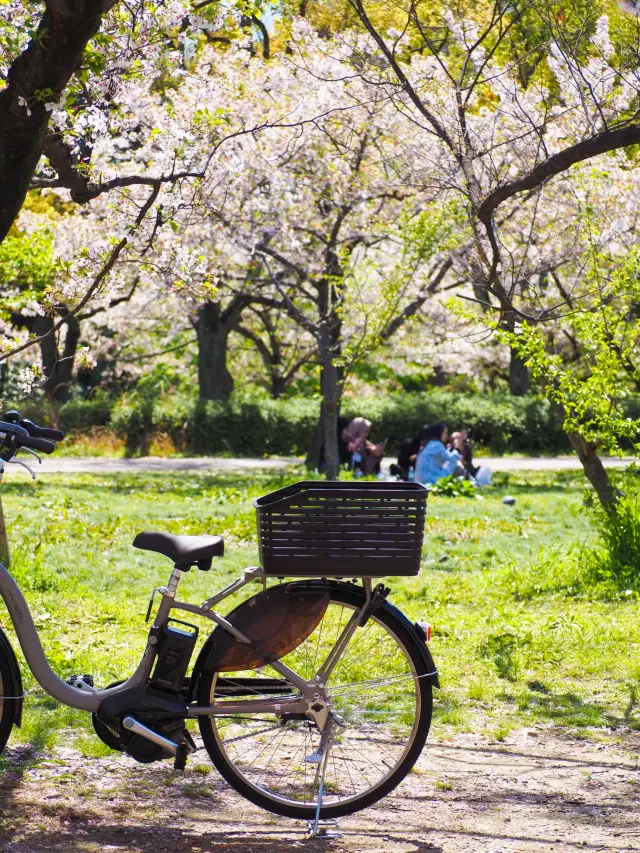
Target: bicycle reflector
[(277, 621), (426, 630)]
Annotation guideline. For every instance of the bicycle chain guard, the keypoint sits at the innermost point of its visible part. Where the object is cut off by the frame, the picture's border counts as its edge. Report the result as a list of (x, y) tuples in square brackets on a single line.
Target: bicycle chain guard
[(277, 621)]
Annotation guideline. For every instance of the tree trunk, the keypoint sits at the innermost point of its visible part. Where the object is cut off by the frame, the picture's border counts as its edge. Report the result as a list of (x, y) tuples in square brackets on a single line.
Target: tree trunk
[(51, 57), (594, 470), (58, 369), (68, 360), (215, 381), (330, 406), (519, 381), (312, 460), (48, 351), (278, 383)]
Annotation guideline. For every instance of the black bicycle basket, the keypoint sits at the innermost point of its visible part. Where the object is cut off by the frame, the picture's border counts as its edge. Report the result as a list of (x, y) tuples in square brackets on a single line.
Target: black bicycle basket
[(336, 529)]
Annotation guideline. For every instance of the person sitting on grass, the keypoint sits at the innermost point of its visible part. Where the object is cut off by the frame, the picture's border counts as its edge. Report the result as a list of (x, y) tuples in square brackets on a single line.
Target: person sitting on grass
[(365, 456), (480, 475), (460, 442), (407, 456), (434, 460)]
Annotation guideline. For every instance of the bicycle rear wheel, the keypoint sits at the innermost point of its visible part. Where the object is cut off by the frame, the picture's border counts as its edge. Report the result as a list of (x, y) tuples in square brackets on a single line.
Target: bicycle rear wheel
[(380, 690)]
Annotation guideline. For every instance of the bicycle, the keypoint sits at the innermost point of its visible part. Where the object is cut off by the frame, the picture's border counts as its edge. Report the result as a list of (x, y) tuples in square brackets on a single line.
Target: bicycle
[(347, 709)]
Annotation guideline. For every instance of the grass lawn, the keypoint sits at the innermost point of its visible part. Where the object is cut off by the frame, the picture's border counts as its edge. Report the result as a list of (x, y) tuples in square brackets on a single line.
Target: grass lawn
[(518, 637)]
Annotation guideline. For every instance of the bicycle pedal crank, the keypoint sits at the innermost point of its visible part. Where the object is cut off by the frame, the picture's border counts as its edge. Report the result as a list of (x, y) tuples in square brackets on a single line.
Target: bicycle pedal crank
[(133, 726)]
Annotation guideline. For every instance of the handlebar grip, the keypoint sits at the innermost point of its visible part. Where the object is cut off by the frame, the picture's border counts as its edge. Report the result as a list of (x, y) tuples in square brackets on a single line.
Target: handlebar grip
[(41, 432), (12, 429), (34, 443)]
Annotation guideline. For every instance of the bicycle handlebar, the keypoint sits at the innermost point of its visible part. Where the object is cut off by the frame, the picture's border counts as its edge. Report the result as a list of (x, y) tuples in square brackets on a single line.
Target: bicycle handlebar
[(24, 433), (43, 444), (12, 429), (41, 432)]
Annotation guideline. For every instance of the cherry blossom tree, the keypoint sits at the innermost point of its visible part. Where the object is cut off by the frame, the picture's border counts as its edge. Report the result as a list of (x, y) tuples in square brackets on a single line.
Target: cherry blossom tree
[(283, 348), (120, 109), (505, 129), (134, 158), (67, 72), (316, 217)]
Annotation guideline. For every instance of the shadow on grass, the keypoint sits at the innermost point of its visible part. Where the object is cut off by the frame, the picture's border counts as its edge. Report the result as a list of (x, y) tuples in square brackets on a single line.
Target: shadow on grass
[(569, 709)]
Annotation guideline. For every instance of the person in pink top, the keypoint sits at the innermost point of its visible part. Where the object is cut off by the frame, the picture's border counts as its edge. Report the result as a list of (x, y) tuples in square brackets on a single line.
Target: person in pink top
[(365, 455)]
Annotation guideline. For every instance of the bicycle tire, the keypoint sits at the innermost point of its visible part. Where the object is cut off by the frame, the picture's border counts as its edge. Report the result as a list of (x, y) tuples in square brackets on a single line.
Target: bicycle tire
[(10, 705), (341, 595)]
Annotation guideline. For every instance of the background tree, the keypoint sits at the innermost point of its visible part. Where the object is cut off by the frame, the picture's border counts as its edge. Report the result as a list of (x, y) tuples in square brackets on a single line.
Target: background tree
[(326, 226), (283, 348), (497, 134)]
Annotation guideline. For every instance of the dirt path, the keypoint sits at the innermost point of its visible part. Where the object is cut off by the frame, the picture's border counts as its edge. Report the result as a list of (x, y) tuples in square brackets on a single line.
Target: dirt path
[(538, 791)]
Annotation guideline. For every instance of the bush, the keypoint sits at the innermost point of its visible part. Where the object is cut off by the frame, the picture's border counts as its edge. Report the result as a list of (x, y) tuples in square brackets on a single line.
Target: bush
[(132, 419), (617, 560), (82, 414), (242, 427), (252, 427), (256, 426), (499, 422), (77, 414)]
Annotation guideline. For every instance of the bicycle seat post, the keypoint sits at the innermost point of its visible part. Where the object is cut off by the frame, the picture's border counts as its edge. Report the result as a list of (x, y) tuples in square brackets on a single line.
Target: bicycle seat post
[(174, 580)]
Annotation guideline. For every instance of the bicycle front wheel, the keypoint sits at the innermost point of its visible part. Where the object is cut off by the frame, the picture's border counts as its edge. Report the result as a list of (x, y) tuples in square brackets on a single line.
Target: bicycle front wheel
[(380, 691)]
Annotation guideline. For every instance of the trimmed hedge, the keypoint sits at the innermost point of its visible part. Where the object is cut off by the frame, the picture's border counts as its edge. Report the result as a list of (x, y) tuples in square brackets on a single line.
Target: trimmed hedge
[(258, 426), (499, 422), (75, 415), (254, 427), (83, 414)]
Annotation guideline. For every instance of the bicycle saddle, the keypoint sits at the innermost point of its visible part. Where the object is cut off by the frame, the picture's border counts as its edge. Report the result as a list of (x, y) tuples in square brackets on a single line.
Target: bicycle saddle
[(183, 550)]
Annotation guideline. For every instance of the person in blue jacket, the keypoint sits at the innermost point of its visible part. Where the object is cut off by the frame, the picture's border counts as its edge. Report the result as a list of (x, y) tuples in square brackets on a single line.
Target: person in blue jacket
[(434, 460)]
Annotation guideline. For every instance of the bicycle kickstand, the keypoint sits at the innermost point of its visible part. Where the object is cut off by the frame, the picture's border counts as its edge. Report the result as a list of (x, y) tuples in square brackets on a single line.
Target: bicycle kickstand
[(322, 828)]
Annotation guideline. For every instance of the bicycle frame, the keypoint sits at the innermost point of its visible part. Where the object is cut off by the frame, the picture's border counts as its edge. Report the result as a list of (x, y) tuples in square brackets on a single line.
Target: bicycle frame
[(87, 698)]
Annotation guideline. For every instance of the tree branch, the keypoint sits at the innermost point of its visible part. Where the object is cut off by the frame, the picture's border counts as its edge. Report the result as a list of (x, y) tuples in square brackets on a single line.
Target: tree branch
[(601, 143), (438, 128), (413, 307), (266, 50), (112, 303), (95, 284), (150, 355), (82, 189), (259, 344)]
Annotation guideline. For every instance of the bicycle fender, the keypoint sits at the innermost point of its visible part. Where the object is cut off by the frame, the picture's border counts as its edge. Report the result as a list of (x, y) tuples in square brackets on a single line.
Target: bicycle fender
[(420, 640), (277, 620), (15, 688)]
